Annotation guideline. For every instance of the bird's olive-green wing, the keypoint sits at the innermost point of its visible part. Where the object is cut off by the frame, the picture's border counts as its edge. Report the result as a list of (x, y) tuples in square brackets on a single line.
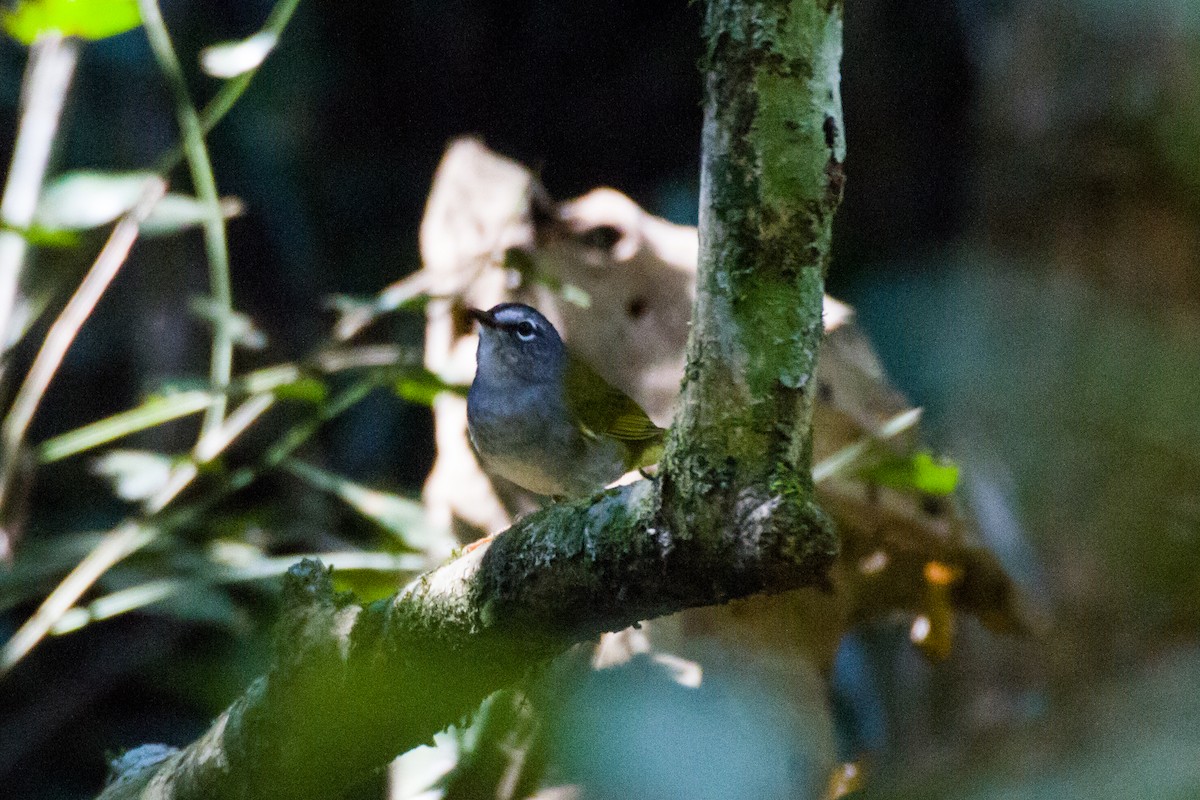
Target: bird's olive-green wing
[(604, 410)]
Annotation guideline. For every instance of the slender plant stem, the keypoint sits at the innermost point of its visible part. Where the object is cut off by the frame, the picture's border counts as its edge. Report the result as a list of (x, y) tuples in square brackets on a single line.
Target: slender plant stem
[(64, 330), (233, 89), (44, 94), (205, 184), (48, 76), (117, 544), (132, 535)]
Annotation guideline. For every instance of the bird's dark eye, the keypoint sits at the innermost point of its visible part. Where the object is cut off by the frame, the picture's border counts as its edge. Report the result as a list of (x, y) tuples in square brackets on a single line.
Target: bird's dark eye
[(525, 330)]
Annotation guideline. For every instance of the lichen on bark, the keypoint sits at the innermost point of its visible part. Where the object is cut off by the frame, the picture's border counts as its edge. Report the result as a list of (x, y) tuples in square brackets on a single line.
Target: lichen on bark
[(771, 181)]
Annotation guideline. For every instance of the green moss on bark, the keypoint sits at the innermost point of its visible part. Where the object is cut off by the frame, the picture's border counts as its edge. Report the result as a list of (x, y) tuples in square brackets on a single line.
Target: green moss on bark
[(773, 150)]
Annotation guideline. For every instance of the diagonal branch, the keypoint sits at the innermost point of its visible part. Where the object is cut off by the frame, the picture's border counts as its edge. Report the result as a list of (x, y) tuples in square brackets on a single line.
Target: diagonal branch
[(732, 514), (354, 686)]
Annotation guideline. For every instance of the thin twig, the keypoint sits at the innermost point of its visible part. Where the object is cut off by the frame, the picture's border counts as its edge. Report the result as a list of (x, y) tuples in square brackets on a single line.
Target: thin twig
[(215, 243), (131, 535), (115, 546), (66, 327), (47, 79)]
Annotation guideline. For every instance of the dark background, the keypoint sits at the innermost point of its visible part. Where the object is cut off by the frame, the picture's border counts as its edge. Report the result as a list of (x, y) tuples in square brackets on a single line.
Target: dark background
[(1019, 233)]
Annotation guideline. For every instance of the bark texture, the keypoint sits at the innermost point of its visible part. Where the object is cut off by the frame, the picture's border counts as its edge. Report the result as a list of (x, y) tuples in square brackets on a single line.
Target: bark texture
[(741, 446), (731, 515)]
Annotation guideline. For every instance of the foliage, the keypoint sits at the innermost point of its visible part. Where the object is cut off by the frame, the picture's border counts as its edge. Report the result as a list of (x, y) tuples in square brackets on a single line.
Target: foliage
[(186, 547), (88, 19), (918, 472)]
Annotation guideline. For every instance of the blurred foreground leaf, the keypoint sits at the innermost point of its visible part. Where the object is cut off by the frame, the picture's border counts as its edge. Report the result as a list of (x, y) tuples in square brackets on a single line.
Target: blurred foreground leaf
[(42, 237), (199, 593), (40, 563), (135, 474), (85, 199), (88, 19), (919, 472), (154, 411), (240, 326), (230, 59), (422, 386)]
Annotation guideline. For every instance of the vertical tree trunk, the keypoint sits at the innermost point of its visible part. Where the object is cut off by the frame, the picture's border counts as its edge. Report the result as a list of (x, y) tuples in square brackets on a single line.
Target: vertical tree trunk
[(771, 180)]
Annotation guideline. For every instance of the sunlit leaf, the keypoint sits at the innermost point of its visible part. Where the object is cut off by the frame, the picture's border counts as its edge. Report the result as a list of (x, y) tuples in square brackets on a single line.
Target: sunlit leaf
[(135, 474), (154, 411), (42, 237), (85, 199), (918, 472), (88, 19), (230, 59), (306, 390), (368, 585)]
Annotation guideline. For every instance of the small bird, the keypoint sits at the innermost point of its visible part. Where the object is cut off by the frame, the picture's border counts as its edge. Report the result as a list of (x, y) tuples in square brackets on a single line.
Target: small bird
[(545, 420)]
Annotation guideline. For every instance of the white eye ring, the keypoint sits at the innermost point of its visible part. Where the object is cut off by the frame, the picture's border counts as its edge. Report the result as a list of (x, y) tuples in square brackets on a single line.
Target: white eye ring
[(526, 331)]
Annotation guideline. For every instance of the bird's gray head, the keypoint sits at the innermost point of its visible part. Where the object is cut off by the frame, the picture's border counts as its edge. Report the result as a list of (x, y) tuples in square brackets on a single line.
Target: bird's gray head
[(517, 345)]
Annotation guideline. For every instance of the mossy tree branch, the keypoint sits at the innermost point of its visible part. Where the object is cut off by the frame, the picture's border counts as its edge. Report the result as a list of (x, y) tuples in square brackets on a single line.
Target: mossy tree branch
[(731, 515)]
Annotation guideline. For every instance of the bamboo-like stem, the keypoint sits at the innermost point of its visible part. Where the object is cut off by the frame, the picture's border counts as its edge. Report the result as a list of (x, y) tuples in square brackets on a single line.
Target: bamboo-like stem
[(62, 333), (116, 545), (204, 182), (45, 91), (161, 517), (51, 66)]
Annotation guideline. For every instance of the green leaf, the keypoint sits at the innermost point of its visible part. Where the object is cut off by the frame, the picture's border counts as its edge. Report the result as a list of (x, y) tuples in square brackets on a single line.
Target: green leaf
[(88, 19), (422, 386), (305, 390), (154, 411), (918, 472), (42, 237)]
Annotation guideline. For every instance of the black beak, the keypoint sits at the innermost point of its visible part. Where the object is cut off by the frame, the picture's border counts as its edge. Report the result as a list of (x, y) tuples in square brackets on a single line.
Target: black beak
[(482, 317)]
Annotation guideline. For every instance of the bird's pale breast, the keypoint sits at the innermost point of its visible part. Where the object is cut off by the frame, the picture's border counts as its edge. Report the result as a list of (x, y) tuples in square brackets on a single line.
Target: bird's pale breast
[(525, 435)]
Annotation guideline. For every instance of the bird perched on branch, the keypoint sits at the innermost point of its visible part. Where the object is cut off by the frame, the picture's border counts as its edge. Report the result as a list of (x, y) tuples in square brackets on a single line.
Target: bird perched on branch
[(544, 420)]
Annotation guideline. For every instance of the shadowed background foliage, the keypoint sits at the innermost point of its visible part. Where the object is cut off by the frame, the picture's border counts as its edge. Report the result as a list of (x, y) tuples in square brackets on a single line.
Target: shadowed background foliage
[(1019, 233)]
